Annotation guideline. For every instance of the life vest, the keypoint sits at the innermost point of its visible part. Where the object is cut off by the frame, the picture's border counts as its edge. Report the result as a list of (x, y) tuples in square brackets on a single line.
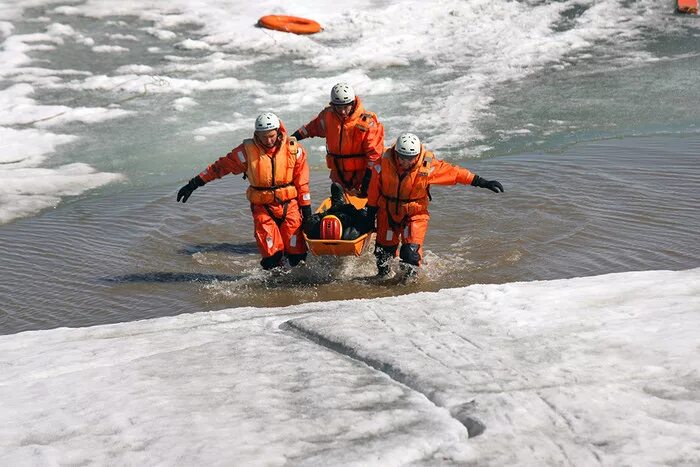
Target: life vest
[(406, 194), (271, 177), (344, 140)]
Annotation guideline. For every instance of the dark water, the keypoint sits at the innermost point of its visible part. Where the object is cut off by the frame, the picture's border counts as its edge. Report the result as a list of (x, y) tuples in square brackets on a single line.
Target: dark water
[(599, 207)]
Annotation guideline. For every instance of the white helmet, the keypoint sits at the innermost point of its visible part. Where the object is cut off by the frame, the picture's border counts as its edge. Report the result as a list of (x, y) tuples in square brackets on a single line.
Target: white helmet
[(342, 94), (267, 121), (407, 146)]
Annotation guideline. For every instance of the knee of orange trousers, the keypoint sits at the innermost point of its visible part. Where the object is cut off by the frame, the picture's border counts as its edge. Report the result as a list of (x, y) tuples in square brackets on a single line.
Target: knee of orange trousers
[(291, 231), (386, 235), (268, 239), (413, 230), (271, 238), (267, 234)]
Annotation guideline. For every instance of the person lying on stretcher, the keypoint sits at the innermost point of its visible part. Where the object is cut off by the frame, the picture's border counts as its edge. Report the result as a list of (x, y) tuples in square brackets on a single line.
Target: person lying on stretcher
[(342, 221)]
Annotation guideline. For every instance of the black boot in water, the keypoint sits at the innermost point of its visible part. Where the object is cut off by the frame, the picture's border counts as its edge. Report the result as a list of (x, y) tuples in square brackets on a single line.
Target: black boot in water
[(384, 255)]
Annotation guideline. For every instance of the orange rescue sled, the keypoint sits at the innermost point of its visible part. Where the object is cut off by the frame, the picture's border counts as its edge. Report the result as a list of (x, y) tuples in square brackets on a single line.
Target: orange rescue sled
[(340, 247)]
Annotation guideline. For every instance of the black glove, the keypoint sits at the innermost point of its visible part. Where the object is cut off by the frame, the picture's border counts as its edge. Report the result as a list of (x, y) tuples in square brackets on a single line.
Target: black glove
[(492, 185), (305, 216), (370, 217), (297, 135), (365, 183), (187, 190), (312, 226)]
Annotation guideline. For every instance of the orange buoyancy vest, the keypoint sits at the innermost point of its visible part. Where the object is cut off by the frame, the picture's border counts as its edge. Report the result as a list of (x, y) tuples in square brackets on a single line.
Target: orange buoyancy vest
[(345, 138), (271, 177), (405, 194)]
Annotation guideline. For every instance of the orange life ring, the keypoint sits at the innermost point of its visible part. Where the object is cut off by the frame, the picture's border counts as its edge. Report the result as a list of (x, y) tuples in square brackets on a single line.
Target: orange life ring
[(689, 7), (292, 24)]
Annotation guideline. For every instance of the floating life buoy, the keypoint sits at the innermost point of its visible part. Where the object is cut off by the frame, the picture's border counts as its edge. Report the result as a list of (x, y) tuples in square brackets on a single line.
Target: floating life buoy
[(688, 6), (292, 24)]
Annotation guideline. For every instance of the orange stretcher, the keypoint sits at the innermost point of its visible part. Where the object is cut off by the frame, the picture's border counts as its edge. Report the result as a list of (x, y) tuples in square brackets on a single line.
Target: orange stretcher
[(688, 6), (340, 247)]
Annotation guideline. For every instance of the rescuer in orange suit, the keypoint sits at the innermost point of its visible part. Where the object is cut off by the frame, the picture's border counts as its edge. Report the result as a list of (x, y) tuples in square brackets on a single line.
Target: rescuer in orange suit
[(398, 196), (354, 139), (276, 168)]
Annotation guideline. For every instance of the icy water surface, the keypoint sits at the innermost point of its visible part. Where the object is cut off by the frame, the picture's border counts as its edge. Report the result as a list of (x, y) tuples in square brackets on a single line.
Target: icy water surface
[(608, 206)]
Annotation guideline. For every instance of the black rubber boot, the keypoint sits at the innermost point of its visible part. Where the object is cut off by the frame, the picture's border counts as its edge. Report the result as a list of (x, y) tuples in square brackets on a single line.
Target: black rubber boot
[(410, 259), (409, 254), (408, 270), (271, 262), (384, 255), (295, 259)]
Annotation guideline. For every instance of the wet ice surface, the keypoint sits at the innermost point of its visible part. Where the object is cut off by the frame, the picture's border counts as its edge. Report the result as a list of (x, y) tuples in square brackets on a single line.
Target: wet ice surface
[(580, 371)]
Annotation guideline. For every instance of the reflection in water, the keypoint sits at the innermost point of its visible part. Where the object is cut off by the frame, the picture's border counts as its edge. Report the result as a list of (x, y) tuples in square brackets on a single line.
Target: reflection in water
[(172, 277), (232, 248)]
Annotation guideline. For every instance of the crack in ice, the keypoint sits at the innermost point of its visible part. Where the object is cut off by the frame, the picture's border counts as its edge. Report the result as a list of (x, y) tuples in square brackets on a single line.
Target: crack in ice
[(462, 413)]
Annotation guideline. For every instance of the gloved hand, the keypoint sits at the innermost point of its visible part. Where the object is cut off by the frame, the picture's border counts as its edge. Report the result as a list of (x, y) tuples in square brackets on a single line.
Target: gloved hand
[(297, 135), (492, 185), (370, 214), (187, 190), (305, 217)]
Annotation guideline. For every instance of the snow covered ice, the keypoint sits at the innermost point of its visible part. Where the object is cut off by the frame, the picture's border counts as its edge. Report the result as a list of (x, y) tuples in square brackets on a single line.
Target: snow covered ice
[(584, 371)]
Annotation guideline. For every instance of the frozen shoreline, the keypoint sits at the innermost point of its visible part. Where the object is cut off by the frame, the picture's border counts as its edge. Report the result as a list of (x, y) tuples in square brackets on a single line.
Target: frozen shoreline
[(587, 370)]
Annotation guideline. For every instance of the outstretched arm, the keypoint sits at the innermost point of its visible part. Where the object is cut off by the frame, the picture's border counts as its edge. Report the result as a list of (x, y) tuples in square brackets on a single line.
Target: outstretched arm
[(185, 192), (492, 185), (315, 128), (448, 174), (233, 162), (442, 173)]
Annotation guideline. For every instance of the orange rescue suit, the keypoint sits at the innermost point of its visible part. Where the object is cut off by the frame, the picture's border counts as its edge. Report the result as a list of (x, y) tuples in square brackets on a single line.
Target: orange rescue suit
[(279, 185), (402, 196), (352, 144)]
